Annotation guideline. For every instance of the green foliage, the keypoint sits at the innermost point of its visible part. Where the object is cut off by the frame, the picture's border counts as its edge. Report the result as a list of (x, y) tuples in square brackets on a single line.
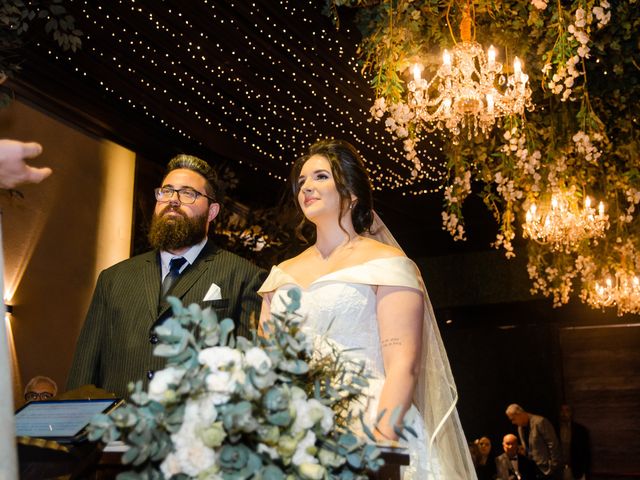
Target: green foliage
[(583, 61), (16, 19), (227, 408)]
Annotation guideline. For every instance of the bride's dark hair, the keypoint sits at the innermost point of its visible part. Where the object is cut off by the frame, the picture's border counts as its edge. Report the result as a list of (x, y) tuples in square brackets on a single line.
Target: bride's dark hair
[(350, 177)]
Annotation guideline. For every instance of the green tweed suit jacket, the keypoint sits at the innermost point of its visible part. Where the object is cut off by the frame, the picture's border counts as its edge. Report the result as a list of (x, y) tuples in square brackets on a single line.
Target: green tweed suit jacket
[(114, 346)]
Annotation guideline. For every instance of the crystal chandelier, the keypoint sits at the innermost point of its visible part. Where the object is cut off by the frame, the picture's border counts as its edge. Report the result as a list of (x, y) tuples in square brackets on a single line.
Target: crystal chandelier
[(562, 224), (469, 90), (622, 291)]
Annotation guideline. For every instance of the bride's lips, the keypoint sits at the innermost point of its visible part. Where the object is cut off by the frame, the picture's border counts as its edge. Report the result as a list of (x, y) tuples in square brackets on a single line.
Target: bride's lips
[(309, 200)]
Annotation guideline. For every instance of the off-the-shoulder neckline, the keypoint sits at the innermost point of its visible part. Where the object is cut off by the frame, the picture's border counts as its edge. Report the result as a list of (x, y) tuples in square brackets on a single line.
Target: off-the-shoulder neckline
[(324, 277)]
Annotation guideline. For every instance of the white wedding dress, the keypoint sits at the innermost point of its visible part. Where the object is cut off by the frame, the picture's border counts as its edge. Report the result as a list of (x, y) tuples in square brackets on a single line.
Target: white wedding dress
[(341, 306)]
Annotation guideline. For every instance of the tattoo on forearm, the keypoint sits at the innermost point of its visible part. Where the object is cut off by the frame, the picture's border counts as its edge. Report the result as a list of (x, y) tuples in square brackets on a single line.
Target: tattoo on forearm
[(390, 342)]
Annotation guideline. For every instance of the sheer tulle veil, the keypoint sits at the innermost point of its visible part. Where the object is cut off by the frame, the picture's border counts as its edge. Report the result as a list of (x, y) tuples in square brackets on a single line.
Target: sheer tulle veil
[(436, 393)]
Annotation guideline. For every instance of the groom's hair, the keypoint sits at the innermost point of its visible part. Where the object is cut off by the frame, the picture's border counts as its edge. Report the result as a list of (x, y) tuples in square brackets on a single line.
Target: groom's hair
[(195, 164), (350, 177)]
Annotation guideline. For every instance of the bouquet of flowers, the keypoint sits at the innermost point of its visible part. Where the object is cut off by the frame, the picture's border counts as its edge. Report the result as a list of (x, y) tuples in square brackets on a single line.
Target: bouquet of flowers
[(227, 408)]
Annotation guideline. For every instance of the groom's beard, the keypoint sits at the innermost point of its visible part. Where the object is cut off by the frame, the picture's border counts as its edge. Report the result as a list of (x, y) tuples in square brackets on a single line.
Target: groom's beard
[(176, 232)]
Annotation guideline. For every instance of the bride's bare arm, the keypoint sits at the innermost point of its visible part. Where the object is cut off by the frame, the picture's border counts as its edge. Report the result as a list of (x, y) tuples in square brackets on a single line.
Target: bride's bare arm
[(400, 318)]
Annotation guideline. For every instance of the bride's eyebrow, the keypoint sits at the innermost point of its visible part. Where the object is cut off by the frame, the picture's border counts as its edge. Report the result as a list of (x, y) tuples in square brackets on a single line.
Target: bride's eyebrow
[(315, 172)]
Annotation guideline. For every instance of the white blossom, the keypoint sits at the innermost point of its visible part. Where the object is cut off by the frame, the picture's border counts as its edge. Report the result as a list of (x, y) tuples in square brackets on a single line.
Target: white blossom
[(257, 358), (162, 379), (301, 454)]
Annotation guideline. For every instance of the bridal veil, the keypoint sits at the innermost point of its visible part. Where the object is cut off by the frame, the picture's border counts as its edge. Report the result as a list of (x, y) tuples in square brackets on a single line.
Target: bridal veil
[(436, 394)]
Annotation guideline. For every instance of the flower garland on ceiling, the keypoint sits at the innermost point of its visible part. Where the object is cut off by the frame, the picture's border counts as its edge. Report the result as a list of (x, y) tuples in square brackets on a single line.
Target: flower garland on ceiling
[(581, 140)]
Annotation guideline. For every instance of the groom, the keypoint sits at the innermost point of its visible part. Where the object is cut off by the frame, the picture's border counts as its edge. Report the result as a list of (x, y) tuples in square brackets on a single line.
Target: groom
[(117, 340)]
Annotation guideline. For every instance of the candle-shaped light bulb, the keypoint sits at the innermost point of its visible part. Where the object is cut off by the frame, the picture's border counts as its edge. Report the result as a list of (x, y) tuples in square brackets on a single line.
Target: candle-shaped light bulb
[(491, 56), (587, 203), (601, 209), (490, 102), (533, 209), (529, 216), (517, 68), (554, 202), (636, 282), (446, 58), (417, 68), (446, 104), (609, 282)]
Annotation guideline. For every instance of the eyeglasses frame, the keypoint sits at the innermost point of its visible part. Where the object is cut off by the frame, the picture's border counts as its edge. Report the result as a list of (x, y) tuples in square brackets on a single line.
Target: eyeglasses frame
[(178, 190)]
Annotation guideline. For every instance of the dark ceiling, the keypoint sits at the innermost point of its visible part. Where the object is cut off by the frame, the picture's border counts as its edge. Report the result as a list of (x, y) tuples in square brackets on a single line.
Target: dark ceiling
[(248, 84)]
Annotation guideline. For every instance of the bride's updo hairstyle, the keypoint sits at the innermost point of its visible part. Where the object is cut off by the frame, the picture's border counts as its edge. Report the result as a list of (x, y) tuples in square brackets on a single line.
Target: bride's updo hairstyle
[(350, 177)]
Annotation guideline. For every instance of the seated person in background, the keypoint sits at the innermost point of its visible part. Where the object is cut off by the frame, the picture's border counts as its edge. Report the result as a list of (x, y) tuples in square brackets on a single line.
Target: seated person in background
[(40, 388), (485, 464), (511, 465)]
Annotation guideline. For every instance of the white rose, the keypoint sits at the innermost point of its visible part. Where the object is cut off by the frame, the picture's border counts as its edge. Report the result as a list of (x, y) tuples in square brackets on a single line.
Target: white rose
[(221, 385), (170, 466), (217, 357), (301, 454), (256, 358), (161, 381)]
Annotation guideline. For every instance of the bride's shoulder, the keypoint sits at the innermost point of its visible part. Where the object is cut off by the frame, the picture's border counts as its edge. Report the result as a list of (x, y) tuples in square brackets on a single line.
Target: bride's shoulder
[(373, 249)]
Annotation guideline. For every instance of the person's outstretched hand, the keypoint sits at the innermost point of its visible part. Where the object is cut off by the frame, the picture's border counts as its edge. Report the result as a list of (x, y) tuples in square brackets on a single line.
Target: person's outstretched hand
[(13, 169)]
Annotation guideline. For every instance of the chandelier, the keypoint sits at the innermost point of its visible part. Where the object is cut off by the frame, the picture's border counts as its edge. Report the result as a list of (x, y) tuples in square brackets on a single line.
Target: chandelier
[(469, 90), (562, 224), (622, 291)]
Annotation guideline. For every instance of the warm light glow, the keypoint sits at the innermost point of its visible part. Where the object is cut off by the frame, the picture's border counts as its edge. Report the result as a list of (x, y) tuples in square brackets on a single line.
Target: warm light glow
[(446, 104), (490, 103), (16, 376), (491, 55), (116, 213), (446, 58), (621, 291), (417, 69), (562, 224), (517, 67), (468, 92)]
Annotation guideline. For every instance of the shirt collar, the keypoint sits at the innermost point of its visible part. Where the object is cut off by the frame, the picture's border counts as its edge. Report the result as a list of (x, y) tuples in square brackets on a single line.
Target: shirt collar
[(190, 256)]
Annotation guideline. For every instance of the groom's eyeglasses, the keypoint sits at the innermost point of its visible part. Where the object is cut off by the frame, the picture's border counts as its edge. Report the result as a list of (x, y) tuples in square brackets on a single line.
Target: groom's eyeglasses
[(185, 195)]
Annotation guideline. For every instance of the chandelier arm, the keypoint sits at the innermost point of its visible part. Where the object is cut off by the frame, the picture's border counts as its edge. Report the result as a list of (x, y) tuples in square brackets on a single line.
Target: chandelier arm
[(453, 37)]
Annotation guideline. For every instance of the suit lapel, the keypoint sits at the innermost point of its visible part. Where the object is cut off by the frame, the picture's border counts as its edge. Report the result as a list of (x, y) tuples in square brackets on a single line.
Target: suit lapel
[(151, 280)]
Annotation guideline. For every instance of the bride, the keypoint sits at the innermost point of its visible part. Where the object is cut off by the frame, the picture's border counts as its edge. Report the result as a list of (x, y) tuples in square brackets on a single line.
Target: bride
[(368, 297)]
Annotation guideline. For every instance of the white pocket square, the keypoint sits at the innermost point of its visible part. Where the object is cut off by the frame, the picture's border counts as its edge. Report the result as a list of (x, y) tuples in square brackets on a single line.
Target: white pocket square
[(214, 293)]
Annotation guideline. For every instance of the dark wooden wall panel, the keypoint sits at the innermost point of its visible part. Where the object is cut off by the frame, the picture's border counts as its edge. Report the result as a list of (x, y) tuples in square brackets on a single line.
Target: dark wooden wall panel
[(602, 383)]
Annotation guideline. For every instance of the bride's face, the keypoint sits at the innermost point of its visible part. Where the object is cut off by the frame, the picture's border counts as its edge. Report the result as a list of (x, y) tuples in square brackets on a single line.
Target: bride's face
[(318, 195)]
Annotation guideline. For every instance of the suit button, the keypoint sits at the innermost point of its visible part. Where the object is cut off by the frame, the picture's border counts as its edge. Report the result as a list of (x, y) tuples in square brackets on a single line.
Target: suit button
[(153, 339), (150, 374)]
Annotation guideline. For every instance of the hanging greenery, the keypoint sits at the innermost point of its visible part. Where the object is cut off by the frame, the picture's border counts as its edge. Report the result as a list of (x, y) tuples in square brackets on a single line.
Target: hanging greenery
[(583, 62), (17, 17)]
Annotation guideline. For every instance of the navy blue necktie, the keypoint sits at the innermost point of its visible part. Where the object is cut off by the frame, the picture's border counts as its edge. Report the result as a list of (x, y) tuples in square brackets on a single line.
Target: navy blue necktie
[(174, 272)]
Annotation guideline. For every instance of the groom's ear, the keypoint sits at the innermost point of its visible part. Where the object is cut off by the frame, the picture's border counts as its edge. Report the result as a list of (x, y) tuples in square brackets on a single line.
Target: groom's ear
[(214, 209)]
